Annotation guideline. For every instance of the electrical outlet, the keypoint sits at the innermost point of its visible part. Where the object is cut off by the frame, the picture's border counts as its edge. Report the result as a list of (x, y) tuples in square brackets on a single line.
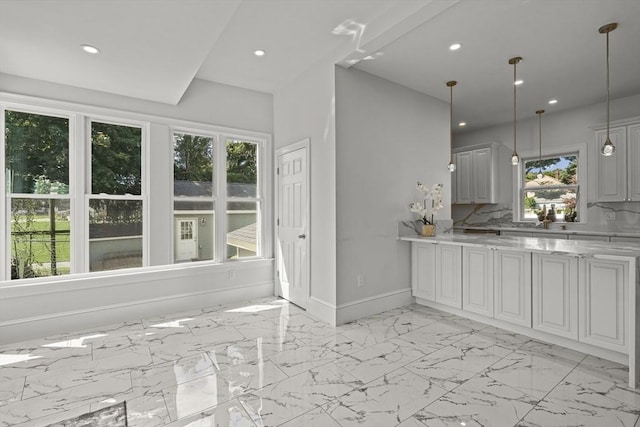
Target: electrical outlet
[(360, 280), (611, 216)]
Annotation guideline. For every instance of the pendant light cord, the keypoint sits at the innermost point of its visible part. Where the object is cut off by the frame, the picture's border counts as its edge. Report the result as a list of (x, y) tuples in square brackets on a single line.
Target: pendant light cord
[(608, 109), (514, 108), (451, 123)]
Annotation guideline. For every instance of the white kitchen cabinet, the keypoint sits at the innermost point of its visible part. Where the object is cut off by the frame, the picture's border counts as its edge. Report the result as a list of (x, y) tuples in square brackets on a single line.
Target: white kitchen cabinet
[(512, 287), (423, 274), (618, 176), (437, 273), (555, 294), (603, 310), (633, 162), (449, 275), (476, 175), (464, 177), (477, 280)]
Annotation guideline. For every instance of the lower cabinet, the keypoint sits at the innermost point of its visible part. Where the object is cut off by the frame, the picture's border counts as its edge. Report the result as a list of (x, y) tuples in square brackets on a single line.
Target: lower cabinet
[(555, 294), (477, 280), (583, 299), (437, 273), (603, 310), (512, 286)]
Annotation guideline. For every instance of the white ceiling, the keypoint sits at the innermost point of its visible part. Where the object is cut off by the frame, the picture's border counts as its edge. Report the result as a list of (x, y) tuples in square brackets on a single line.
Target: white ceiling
[(153, 49)]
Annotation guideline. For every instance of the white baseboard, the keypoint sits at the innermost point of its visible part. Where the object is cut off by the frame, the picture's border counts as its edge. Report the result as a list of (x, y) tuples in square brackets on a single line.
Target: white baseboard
[(69, 321), (322, 310), (372, 305), (532, 333)]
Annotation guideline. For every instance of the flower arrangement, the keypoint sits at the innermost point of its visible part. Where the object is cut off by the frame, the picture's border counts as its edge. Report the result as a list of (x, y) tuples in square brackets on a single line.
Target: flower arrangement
[(430, 204), (570, 213), (569, 201)]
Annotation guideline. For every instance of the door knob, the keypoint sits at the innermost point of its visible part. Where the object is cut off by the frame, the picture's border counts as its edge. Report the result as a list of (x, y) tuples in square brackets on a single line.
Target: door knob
[(302, 236)]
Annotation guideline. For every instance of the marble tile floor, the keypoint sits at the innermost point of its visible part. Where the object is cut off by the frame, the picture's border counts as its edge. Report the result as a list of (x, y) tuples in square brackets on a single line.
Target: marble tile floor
[(267, 363)]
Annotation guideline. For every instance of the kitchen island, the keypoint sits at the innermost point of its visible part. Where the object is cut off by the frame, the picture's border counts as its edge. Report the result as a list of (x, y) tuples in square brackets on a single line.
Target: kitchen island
[(583, 295)]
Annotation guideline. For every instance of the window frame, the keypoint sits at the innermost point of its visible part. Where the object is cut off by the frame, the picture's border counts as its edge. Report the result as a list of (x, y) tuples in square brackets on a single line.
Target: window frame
[(580, 151), (259, 198), (88, 194), (156, 127), (214, 194), (8, 195)]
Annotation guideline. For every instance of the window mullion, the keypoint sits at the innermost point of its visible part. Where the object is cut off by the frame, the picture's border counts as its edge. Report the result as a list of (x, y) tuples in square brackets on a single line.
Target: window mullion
[(220, 206)]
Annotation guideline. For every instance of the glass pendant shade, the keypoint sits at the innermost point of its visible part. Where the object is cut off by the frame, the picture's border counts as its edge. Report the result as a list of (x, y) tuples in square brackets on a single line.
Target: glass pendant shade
[(608, 148), (515, 159), (452, 163)]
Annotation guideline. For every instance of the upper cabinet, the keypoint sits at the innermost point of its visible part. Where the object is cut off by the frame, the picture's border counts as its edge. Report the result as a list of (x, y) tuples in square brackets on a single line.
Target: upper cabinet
[(476, 175), (618, 176)]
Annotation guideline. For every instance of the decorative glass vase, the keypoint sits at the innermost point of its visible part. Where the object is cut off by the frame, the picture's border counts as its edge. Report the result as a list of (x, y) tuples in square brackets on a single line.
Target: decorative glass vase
[(428, 230)]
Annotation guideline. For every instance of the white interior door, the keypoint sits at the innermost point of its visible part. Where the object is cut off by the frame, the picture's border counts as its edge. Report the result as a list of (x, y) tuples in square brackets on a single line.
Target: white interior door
[(292, 223), (186, 239)]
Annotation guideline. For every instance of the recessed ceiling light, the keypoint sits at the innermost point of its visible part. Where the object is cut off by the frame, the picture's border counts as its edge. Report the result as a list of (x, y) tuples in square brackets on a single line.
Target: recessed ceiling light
[(462, 124), (90, 49), (553, 101), (259, 52), (455, 46), (518, 82)]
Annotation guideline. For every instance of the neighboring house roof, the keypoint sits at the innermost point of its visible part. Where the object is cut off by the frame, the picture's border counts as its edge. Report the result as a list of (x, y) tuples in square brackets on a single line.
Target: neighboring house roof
[(244, 237), (203, 189), (542, 182)]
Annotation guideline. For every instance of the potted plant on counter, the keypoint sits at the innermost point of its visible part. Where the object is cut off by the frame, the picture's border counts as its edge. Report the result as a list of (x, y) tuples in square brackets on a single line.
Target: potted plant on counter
[(426, 208)]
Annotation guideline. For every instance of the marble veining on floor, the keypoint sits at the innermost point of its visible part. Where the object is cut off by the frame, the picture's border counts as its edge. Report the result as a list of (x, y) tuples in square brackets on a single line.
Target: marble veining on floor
[(267, 363)]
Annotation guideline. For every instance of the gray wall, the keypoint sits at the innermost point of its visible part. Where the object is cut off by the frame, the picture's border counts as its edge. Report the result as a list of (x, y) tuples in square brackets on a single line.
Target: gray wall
[(388, 137)]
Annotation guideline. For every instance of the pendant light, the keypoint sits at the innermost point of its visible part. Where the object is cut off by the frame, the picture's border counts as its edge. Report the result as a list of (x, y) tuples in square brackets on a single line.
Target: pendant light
[(452, 163), (539, 113), (608, 148), (515, 159)]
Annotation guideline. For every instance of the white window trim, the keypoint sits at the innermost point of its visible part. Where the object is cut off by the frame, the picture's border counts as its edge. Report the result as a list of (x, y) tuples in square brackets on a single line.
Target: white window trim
[(518, 180), (77, 113), (145, 132)]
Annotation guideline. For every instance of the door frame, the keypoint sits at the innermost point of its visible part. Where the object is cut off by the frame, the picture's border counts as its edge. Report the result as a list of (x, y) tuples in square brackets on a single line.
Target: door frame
[(302, 144)]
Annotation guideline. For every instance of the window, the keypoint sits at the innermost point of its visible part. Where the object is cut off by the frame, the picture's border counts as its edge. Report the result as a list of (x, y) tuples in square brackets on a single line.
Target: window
[(200, 190), (551, 184), (115, 204), (193, 205), (243, 201), (37, 180), (74, 192)]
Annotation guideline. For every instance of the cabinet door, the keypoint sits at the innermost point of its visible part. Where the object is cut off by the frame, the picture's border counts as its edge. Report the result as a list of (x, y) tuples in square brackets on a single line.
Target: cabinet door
[(603, 311), (612, 170), (482, 176), (464, 180), (555, 294), (449, 275), (512, 287), (633, 162), (477, 280), (423, 270)]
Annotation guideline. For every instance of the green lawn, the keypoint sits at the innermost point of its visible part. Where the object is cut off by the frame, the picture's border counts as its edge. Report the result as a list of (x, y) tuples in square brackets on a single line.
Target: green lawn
[(37, 240)]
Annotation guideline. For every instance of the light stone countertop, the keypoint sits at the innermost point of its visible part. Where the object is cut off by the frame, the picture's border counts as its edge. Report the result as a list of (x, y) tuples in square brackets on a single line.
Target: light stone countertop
[(581, 248), (554, 230)]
